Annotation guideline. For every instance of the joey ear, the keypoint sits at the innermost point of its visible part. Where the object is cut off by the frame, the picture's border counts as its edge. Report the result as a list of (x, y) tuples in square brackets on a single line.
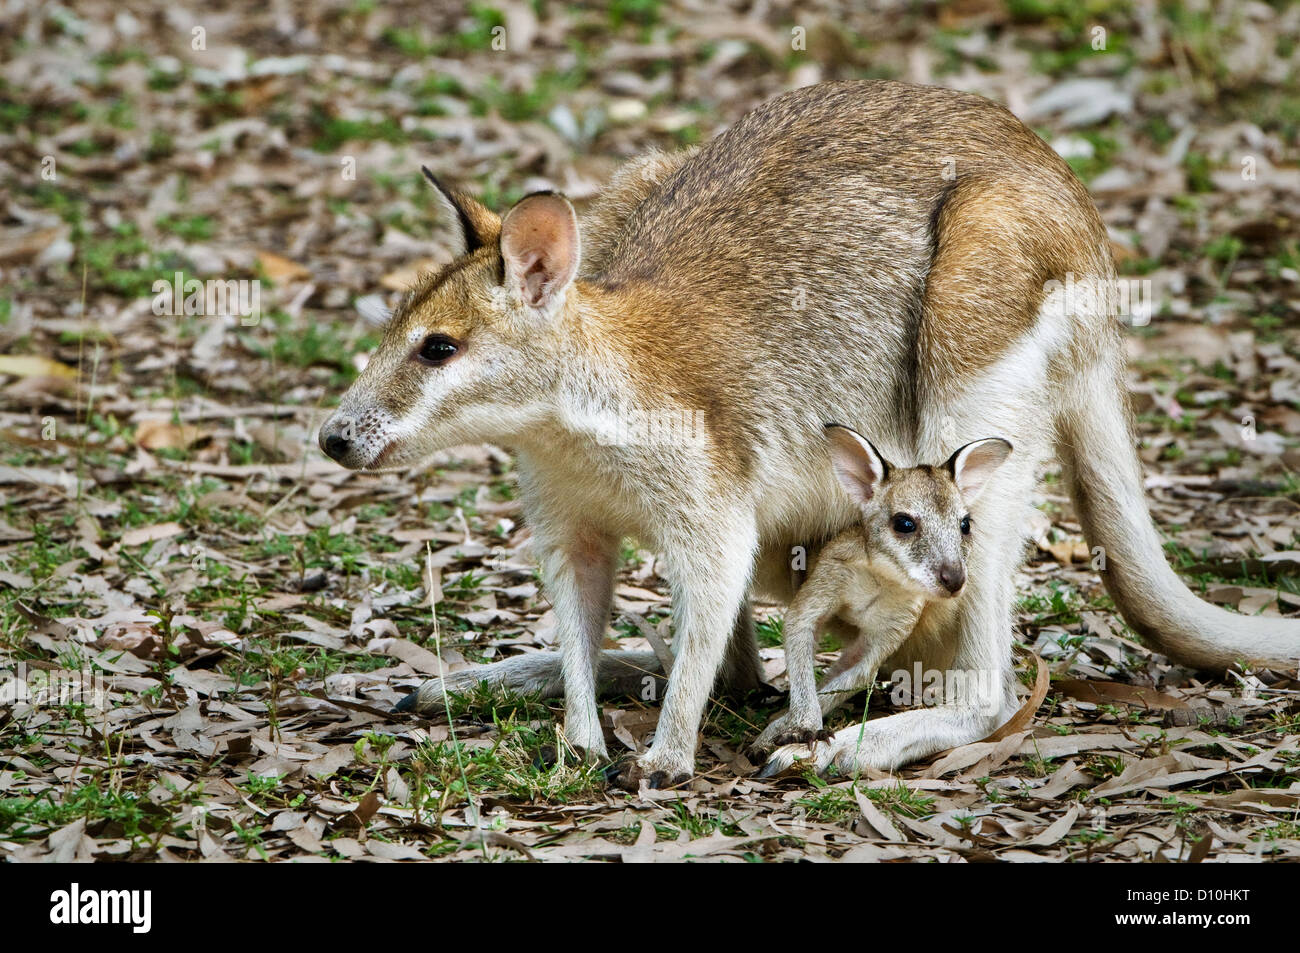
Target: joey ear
[(540, 247), (473, 225), (971, 466), (858, 465)]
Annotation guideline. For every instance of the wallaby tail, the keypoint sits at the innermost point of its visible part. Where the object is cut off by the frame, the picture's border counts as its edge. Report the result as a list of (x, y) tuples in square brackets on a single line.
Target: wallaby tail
[(1104, 476)]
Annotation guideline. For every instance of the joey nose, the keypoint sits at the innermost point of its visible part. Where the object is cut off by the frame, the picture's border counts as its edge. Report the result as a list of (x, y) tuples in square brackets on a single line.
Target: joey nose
[(952, 578)]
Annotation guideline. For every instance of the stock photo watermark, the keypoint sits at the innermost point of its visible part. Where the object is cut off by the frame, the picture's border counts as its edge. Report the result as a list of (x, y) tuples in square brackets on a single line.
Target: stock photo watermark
[(626, 425), (932, 687), (76, 906), (1130, 300), (215, 297), (52, 687)]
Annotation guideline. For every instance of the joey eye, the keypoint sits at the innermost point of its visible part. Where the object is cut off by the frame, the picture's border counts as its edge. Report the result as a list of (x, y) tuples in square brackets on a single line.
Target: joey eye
[(904, 523), (437, 349), (965, 525)]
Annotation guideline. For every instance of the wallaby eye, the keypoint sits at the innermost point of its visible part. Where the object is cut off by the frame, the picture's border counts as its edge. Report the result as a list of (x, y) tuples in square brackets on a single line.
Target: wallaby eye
[(965, 525), (904, 523), (437, 349)]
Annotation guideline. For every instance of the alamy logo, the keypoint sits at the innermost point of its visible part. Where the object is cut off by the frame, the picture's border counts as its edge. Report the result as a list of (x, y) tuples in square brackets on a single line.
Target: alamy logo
[(629, 426), (931, 686), (214, 298), (53, 687), (1131, 300), (76, 906)]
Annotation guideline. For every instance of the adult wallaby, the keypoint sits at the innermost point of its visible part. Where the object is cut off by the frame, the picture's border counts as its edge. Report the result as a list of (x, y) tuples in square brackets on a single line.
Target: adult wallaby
[(885, 255)]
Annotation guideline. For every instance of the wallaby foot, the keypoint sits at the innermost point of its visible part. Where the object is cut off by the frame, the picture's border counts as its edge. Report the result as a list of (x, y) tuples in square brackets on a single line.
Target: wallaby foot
[(788, 729), (850, 750), (628, 773), (784, 758), (886, 744), (803, 736)]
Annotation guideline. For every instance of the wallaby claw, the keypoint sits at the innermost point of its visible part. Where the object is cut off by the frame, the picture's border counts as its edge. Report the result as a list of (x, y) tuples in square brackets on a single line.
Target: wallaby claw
[(627, 774), (781, 733), (801, 736)]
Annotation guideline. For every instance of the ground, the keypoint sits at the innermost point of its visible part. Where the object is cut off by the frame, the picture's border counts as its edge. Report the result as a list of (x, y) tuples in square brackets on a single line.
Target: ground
[(249, 612)]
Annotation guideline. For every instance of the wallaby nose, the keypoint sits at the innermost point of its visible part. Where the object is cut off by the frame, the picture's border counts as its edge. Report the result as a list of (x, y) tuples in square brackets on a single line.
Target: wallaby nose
[(334, 446), (952, 578)]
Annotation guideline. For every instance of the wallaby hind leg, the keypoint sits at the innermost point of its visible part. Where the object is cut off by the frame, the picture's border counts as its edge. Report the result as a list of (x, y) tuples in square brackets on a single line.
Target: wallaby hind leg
[(537, 674), (621, 674)]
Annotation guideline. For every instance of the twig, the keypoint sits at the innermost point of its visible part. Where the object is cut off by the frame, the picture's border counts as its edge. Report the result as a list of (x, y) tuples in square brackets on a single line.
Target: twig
[(656, 640)]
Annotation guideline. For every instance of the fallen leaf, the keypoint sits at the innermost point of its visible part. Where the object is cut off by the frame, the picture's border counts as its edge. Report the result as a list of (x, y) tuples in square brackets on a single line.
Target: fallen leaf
[(33, 365), (280, 269), (165, 435), (148, 534)]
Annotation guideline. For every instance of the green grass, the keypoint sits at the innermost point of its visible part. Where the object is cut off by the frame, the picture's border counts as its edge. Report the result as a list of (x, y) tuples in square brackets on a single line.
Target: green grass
[(1072, 24), (1104, 151), (526, 761), (697, 822), (951, 58), (902, 800), (45, 119), (122, 262), (644, 13), (1184, 559), (839, 803), (192, 228), (1060, 604), (332, 132), (828, 804), (1282, 830), (311, 344), (770, 632), (125, 812), (416, 42)]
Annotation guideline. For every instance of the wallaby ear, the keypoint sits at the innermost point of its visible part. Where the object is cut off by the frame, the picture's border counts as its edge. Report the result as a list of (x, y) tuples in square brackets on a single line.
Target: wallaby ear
[(858, 465), (540, 247), (971, 466), (472, 224)]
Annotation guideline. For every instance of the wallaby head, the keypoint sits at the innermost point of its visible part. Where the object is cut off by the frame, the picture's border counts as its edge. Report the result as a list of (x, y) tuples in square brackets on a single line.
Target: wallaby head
[(470, 355), (916, 521)]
